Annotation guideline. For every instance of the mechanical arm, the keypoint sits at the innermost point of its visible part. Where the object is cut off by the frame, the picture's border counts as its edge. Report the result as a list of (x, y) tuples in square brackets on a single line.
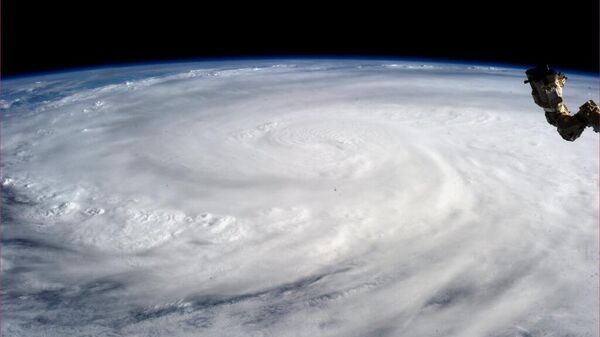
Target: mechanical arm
[(546, 85)]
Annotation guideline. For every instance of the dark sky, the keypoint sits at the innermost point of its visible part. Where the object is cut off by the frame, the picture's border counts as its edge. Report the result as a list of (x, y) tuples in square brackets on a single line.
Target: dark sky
[(47, 35)]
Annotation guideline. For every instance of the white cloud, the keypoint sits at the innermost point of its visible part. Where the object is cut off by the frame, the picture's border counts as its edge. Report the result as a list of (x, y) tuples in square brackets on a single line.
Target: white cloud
[(305, 198)]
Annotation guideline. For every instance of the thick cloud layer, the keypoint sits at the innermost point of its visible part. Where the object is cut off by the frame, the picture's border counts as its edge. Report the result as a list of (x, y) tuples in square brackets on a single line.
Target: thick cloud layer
[(309, 198)]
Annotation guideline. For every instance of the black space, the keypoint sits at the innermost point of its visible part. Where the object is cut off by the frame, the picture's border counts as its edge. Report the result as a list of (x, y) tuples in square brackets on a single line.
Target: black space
[(43, 36)]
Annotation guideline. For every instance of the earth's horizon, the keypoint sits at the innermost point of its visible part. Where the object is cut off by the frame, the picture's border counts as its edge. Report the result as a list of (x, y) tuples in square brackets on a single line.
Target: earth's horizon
[(295, 197)]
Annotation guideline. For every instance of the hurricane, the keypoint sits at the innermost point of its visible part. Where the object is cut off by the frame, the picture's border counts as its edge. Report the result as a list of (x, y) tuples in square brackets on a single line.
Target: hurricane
[(293, 197)]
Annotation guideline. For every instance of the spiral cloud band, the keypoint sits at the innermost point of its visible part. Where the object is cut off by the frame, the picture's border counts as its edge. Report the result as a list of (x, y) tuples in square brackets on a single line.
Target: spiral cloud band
[(295, 198)]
